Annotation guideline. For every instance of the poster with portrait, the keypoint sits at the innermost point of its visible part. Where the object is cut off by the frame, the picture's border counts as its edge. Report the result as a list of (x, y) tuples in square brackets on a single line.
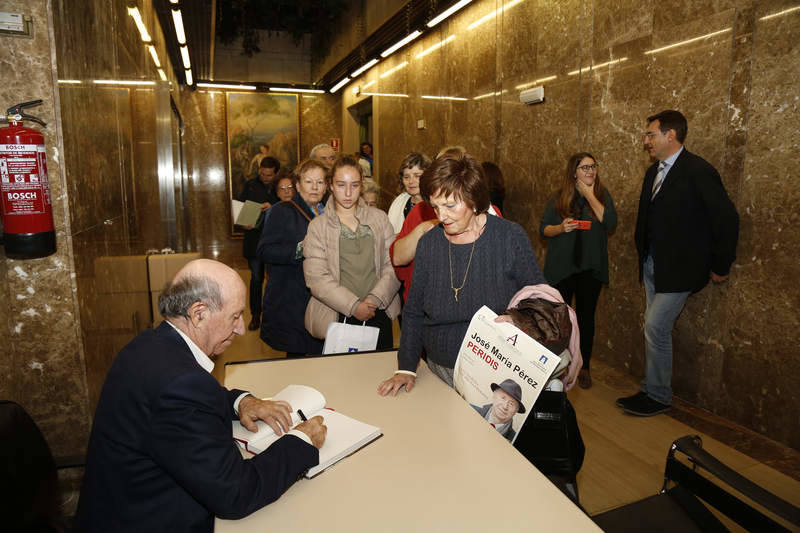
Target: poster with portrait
[(260, 125), (501, 371)]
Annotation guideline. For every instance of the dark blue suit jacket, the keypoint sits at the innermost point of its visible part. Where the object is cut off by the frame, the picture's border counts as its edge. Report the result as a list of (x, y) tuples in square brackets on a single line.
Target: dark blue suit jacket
[(697, 228), (161, 454)]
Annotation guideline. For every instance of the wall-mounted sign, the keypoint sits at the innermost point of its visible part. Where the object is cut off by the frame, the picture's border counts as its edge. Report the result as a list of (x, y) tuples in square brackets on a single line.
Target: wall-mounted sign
[(15, 24)]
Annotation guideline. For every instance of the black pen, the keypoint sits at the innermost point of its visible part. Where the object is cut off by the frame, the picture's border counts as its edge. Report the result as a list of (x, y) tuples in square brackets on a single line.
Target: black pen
[(302, 416)]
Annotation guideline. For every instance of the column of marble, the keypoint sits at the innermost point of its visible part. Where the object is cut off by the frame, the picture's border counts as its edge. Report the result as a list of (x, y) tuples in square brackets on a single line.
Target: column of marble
[(42, 366)]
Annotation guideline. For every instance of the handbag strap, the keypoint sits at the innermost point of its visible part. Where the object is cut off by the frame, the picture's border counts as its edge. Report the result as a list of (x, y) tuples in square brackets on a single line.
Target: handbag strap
[(300, 209)]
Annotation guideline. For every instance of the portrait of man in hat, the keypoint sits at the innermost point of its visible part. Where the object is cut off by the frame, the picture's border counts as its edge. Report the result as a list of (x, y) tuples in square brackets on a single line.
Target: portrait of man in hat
[(506, 402)]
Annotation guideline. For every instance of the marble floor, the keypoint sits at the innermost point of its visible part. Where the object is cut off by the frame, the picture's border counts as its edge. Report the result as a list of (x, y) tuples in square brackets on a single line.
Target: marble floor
[(625, 455)]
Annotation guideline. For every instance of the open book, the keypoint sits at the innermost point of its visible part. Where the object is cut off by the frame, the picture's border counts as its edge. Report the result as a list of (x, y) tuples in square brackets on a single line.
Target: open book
[(247, 213), (345, 435)]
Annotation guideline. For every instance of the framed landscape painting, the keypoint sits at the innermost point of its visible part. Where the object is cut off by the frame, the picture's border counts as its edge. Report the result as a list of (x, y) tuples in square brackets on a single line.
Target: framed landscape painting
[(260, 125)]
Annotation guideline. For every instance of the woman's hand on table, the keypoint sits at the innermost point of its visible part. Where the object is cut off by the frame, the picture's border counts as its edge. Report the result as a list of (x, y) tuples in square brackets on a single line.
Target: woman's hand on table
[(395, 383)]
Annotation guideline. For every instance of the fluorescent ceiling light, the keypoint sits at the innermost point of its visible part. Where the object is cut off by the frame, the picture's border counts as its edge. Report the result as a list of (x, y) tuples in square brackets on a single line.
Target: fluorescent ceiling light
[(162, 74), (368, 84), (493, 14), (177, 20), (227, 86), (435, 46), (673, 45), (395, 69), (534, 82), (487, 95), (447, 12), (780, 13), (173, 1), (339, 85), (69, 82), (294, 90), (363, 68), (185, 57), (386, 94), (137, 18), (456, 98), (154, 55), (595, 67), (123, 82), (402, 42), (189, 79)]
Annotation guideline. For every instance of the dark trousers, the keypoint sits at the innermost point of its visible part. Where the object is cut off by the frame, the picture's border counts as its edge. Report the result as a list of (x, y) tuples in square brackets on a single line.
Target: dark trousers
[(586, 290), (381, 321), (256, 284)]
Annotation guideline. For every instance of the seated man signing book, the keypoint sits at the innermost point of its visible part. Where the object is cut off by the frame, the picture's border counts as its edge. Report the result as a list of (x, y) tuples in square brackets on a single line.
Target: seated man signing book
[(161, 455)]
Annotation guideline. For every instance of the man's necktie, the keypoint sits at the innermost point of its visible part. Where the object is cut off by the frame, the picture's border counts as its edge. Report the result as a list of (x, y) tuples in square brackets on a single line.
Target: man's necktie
[(658, 181)]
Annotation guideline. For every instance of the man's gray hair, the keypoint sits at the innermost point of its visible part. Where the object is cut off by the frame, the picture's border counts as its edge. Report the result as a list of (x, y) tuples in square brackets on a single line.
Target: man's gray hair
[(179, 295), (313, 153)]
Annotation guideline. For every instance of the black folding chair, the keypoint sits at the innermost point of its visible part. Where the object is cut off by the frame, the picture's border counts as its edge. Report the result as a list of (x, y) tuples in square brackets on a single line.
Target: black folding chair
[(30, 475), (682, 504)]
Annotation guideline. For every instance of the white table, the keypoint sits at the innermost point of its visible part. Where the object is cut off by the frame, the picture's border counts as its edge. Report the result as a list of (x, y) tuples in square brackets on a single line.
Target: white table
[(438, 466)]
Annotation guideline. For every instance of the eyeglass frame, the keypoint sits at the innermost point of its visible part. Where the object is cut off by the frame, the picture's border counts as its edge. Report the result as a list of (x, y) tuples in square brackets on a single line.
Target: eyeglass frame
[(587, 168)]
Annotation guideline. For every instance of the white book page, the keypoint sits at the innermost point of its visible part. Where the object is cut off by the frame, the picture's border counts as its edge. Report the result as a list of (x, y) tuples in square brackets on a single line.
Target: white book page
[(308, 399)]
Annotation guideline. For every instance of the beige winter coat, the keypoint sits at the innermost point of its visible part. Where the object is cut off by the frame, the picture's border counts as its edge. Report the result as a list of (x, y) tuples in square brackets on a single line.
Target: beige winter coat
[(321, 268)]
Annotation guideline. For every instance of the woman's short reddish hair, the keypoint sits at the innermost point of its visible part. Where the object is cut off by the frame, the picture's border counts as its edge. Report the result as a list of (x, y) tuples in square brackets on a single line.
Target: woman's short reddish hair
[(457, 174)]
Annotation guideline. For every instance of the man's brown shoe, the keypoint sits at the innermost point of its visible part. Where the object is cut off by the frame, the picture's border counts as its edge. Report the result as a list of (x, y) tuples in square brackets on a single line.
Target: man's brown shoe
[(255, 323)]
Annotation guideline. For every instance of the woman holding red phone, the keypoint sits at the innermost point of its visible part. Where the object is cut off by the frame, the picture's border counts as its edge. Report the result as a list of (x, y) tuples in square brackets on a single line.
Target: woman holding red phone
[(576, 223)]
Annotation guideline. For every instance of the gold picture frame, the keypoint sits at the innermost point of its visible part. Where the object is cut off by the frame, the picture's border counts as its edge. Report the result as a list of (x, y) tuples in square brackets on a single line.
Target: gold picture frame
[(258, 125)]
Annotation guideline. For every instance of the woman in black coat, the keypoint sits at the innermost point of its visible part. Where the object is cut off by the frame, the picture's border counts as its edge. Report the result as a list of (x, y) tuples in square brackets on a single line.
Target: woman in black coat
[(281, 249)]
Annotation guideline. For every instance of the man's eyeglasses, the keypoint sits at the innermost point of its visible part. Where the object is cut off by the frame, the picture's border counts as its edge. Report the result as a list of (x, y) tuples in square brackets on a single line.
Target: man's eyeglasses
[(587, 168)]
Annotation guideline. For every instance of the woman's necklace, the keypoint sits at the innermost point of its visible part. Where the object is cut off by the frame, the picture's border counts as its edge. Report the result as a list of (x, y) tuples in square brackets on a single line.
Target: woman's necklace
[(466, 272)]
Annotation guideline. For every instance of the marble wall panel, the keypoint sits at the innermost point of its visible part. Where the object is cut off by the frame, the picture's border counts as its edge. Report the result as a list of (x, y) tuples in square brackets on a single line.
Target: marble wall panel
[(738, 89), (42, 348)]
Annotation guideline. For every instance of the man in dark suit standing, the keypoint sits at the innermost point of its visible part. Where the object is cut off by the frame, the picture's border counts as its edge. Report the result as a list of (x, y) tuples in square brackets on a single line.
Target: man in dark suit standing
[(261, 190), (161, 454), (686, 230)]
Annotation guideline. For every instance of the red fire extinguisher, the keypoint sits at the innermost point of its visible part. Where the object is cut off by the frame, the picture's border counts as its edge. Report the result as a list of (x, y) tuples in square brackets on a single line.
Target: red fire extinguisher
[(28, 230)]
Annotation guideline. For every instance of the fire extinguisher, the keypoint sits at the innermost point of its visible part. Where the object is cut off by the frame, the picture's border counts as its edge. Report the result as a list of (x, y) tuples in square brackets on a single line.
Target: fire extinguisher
[(28, 230)]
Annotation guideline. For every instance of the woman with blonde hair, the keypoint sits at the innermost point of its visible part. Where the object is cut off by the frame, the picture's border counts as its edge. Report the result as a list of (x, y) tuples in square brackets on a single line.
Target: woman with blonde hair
[(347, 265)]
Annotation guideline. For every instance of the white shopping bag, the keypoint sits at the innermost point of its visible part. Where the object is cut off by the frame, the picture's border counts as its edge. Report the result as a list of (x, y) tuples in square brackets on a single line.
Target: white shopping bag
[(343, 338)]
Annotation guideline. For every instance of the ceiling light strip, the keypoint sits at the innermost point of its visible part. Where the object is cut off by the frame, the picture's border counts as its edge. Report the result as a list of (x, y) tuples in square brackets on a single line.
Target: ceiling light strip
[(455, 98), (227, 86), (447, 12), (123, 82), (493, 14), (780, 13), (386, 94), (69, 82), (395, 69), (177, 21), (435, 46), (189, 79), (137, 18), (487, 95), (535, 82), (295, 90), (339, 85), (595, 67), (363, 68), (162, 74), (401, 43), (154, 55), (674, 45), (185, 57)]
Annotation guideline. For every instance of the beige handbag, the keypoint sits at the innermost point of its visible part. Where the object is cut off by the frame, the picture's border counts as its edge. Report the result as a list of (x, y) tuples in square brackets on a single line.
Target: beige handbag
[(318, 316)]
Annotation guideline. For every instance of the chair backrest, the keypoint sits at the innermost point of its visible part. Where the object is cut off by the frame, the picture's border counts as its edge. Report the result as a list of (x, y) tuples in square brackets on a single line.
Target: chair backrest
[(27, 465), (741, 512)]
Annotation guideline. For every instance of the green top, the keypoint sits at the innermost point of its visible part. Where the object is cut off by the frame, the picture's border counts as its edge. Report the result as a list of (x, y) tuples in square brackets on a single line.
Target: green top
[(560, 263), (357, 260)]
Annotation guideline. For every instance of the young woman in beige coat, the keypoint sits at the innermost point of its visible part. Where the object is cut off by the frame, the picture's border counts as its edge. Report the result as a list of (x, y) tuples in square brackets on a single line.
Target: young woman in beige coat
[(347, 264)]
